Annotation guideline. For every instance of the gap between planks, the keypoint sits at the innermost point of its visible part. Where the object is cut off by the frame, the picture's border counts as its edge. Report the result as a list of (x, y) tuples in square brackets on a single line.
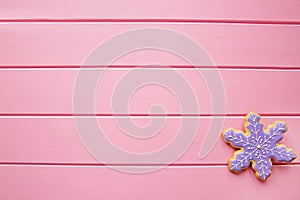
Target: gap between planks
[(185, 67), (70, 115), (57, 68), (173, 21), (173, 165)]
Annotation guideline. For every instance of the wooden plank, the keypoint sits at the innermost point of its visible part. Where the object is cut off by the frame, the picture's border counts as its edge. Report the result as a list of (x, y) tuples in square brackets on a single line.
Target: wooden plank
[(142, 9), (51, 91), (56, 140), (44, 182), (65, 44)]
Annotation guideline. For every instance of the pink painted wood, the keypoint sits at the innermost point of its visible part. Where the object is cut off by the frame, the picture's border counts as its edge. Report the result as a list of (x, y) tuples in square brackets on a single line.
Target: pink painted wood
[(51, 92), (255, 43), (61, 44), (193, 183), (56, 140), (142, 10)]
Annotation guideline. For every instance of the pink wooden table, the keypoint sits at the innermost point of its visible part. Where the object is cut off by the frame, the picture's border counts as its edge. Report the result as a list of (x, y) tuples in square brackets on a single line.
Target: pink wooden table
[(254, 46)]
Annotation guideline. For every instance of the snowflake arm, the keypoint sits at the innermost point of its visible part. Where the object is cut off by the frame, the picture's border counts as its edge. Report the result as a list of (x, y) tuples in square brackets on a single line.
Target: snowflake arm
[(254, 126), (240, 160), (282, 153), (236, 139), (275, 132), (262, 168)]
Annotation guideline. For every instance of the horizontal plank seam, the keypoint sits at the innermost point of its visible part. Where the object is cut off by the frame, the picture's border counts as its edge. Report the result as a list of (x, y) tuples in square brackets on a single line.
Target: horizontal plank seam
[(149, 20), (142, 115), (41, 67), (131, 165)]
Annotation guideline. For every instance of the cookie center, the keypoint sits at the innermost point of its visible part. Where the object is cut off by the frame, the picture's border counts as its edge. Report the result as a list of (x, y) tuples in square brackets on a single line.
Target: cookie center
[(258, 146)]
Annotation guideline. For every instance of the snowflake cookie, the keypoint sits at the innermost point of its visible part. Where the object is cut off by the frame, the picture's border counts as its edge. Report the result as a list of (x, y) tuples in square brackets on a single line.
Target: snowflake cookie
[(257, 146)]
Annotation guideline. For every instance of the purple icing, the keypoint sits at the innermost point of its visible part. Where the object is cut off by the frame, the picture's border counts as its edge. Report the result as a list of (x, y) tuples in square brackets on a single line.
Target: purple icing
[(257, 146)]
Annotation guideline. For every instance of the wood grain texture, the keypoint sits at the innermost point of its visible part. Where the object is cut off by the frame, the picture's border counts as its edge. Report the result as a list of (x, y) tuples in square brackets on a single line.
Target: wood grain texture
[(68, 44), (142, 10), (56, 140), (255, 45), (51, 92), (48, 182)]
